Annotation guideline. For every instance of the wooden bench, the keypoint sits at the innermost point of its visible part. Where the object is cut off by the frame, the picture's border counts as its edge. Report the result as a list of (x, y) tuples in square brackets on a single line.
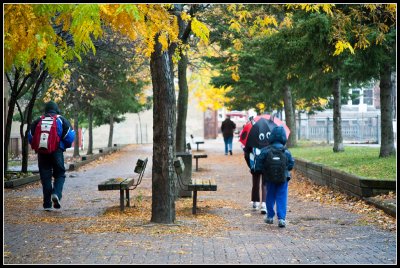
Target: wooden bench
[(124, 185), (197, 142), (197, 156), (195, 184)]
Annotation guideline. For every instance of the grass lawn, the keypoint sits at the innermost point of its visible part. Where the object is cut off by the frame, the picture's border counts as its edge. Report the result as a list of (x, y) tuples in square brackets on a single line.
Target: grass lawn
[(358, 160)]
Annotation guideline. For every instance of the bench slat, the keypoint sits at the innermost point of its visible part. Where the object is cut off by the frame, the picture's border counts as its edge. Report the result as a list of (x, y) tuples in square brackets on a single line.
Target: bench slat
[(200, 156), (116, 184), (202, 185)]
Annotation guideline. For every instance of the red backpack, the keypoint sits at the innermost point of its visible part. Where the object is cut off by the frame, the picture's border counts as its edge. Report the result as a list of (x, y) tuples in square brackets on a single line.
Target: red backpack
[(45, 140)]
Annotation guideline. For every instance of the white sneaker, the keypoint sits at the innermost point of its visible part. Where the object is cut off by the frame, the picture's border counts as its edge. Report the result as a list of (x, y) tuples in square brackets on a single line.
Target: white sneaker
[(256, 205), (263, 208), (56, 201)]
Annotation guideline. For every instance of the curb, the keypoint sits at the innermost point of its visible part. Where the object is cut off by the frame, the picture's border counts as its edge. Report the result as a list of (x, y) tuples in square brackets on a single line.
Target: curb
[(387, 206), (22, 181), (73, 166), (90, 158)]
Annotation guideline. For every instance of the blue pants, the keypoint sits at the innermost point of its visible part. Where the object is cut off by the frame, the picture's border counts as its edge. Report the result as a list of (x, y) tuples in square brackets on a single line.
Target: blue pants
[(277, 194), (228, 144), (51, 165)]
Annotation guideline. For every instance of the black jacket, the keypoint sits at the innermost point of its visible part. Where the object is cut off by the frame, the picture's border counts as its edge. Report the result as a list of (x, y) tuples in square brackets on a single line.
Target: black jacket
[(227, 128)]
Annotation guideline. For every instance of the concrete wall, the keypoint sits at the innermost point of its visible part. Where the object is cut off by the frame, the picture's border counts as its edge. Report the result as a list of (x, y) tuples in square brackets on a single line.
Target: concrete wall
[(344, 182)]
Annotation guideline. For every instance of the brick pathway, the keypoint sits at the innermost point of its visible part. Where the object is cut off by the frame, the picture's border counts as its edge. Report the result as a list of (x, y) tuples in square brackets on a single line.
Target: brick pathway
[(225, 230)]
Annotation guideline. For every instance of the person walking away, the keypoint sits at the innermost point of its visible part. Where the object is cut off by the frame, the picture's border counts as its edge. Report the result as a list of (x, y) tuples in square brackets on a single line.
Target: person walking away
[(276, 161), (50, 135), (256, 180), (227, 128)]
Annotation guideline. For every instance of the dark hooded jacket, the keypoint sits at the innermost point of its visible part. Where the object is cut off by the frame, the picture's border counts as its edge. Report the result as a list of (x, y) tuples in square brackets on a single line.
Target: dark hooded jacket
[(65, 130), (278, 140), (227, 128)]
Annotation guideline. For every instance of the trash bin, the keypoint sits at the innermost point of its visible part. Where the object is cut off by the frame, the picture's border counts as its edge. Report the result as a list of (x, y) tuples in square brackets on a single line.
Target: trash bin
[(186, 175)]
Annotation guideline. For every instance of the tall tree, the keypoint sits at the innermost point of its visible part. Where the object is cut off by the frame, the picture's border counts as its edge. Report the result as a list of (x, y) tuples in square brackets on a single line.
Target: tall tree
[(163, 203), (161, 31), (188, 23)]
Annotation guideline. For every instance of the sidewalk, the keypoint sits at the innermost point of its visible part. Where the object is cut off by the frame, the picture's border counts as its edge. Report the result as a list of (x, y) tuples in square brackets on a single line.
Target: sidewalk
[(89, 229)]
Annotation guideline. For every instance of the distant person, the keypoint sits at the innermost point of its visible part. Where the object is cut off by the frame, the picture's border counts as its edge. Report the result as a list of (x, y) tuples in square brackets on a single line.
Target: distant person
[(276, 161), (256, 182), (228, 128), (49, 136)]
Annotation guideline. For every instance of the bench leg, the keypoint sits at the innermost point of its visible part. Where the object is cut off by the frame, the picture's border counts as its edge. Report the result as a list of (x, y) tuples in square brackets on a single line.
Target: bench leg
[(121, 199), (197, 146), (128, 202), (194, 202), (197, 160)]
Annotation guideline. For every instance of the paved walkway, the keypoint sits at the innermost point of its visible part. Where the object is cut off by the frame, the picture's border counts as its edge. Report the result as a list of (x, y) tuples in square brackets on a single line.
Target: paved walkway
[(89, 229)]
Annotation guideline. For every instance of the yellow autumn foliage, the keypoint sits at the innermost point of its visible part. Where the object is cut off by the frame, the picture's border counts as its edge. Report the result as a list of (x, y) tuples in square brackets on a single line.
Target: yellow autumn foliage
[(29, 35), (341, 45)]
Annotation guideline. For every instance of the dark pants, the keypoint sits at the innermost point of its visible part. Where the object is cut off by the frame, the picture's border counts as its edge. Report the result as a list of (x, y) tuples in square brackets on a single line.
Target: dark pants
[(255, 190), (51, 165)]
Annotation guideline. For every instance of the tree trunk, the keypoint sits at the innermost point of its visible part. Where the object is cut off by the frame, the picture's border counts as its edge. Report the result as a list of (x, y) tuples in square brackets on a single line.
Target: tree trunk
[(140, 129), (24, 152), (11, 106), (299, 124), (337, 118), (27, 119), (164, 118), (90, 142), (110, 135), (183, 98), (76, 124), (387, 136), (290, 116)]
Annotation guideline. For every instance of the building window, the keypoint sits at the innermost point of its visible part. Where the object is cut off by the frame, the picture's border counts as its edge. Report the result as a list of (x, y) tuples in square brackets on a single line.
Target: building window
[(368, 96), (355, 97)]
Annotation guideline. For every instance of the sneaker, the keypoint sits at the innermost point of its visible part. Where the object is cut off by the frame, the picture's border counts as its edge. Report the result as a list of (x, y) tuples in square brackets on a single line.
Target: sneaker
[(253, 205), (48, 209), (263, 208), (256, 205), (230, 152), (268, 220), (281, 223), (56, 201)]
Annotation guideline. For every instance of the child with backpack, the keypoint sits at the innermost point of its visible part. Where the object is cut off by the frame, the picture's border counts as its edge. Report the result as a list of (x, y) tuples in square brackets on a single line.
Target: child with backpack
[(275, 162)]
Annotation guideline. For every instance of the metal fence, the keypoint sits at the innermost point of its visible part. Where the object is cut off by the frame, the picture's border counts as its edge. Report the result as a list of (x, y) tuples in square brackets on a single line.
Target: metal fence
[(354, 130)]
